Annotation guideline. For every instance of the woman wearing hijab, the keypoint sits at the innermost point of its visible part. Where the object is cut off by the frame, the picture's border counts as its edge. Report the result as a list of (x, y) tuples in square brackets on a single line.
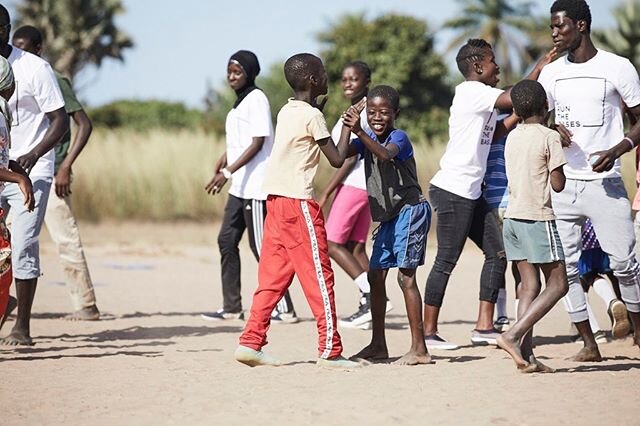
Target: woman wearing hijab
[(10, 171), (249, 139)]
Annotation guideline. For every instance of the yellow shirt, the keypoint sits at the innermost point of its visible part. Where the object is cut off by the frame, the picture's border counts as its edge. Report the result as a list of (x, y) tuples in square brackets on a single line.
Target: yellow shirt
[(295, 156)]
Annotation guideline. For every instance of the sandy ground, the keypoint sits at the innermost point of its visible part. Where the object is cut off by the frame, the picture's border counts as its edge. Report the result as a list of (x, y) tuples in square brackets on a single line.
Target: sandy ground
[(152, 360)]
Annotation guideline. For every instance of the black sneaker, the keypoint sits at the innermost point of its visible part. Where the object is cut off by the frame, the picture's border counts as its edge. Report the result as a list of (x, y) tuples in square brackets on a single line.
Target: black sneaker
[(221, 315), (284, 317), (361, 318)]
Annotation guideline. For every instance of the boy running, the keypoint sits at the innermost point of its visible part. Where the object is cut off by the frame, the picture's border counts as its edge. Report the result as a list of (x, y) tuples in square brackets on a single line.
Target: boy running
[(295, 241), (396, 201), (534, 161)]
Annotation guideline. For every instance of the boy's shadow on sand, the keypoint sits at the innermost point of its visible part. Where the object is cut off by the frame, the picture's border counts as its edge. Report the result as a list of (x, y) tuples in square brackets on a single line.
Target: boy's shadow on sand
[(144, 333)]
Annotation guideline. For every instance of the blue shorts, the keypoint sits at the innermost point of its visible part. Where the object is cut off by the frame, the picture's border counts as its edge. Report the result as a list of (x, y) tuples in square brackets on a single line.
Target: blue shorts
[(593, 261), (402, 241)]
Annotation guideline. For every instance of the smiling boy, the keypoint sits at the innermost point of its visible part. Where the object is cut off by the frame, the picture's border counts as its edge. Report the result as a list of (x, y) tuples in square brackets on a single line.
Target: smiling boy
[(396, 201)]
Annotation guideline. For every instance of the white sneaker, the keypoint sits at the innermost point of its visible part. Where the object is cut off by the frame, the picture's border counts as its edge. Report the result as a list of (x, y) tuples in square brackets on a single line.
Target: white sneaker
[(436, 342)]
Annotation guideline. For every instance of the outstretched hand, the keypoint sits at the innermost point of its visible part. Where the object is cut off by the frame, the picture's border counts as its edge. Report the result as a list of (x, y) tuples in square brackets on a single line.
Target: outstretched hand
[(351, 119), (549, 57)]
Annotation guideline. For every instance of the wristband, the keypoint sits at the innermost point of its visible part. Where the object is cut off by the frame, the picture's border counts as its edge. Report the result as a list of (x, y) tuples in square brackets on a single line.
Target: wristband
[(226, 173), (631, 142)]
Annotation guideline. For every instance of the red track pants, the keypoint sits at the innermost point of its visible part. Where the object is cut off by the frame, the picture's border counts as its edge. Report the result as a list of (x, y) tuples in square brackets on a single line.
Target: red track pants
[(294, 243)]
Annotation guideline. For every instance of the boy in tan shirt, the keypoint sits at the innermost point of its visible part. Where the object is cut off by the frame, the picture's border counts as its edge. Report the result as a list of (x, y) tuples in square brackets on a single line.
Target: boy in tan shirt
[(295, 240), (534, 160)]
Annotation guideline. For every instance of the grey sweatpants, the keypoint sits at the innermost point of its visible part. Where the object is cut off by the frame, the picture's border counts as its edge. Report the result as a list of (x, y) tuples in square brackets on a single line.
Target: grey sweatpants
[(605, 202)]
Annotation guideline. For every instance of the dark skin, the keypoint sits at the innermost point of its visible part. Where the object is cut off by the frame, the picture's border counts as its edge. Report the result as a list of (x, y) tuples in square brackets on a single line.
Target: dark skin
[(574, 38), (58, 126), (351, 256), (381, 116), (533, 305), (62, 178), (486, 71), (237, 79)]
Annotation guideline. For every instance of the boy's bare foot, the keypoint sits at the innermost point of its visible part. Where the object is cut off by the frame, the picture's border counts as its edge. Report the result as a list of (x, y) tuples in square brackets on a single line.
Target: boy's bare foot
[(11, 306), (17, 338), (512, 347), (372, 353), (587, 354), (536, 366), (254, 358), (414, 358), (85, 314)]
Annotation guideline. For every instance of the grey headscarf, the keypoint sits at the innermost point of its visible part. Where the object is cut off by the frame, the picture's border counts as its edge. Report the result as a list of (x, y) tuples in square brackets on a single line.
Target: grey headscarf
[(6, 81)]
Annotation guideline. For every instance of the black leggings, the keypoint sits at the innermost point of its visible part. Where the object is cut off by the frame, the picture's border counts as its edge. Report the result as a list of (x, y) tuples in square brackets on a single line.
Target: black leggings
[(457, 219)]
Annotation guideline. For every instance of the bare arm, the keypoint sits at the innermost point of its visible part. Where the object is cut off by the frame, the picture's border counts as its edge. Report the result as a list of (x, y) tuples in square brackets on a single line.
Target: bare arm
[(336, 153), (504, 100), (337, 179), (58, 126), (558, 179), (219, 180), (607, 158), (84, 129), (385, 153), (18, 175), (503, 127)]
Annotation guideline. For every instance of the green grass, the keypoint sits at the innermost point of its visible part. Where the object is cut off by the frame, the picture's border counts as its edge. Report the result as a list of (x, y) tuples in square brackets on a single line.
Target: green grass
[(159, 175)]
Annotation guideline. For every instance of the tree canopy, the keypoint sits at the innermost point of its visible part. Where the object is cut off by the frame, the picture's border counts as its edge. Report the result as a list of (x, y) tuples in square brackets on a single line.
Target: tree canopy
[(76, 32)]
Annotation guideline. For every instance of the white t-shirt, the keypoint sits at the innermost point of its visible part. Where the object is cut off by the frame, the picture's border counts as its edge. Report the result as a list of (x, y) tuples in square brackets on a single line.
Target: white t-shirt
[(5, 143), (472, 121), (37, 93), (252, 118), (356, 177), (587, 99)]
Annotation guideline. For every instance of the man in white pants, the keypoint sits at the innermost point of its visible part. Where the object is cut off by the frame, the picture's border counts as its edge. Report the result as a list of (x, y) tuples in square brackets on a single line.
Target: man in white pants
[(59, 217), (587, 89)]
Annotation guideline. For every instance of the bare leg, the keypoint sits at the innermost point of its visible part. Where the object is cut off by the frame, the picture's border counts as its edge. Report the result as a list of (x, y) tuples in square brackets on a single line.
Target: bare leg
[(418, 353), (359, 251), (377, 349), (431, 314), (485, 316), (527, 291), (21, 332), (343, 257)]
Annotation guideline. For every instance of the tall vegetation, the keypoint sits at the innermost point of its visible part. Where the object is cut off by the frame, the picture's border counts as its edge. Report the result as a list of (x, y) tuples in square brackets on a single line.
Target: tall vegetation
[(624, 39), (77, 32), (399, 50), (501, 23)]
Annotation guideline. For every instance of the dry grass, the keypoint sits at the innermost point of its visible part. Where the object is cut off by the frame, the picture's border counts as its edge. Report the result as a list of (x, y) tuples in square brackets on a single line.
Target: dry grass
[(161, 175)]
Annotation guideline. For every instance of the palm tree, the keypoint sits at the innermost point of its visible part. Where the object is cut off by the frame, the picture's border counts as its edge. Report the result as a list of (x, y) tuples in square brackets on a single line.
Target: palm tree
[(502, 24), (623, 40), (76, 32)]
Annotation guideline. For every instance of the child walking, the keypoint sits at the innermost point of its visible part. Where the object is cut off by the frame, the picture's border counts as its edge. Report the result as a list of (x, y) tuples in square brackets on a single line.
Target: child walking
[(295, 240), (249, 138), (10, 171), (534, 161), (396, 201), (349, 219)]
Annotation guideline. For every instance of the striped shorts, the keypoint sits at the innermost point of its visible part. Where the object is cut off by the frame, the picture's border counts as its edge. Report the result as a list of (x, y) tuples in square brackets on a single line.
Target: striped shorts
[(532, 240)]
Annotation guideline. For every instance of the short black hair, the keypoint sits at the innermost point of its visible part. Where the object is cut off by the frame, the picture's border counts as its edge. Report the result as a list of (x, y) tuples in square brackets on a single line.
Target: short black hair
[(471, 52), (388, 93), (363, 67), (528, 97), (298, 68), (30, 33), (4, 14), (577, 10)]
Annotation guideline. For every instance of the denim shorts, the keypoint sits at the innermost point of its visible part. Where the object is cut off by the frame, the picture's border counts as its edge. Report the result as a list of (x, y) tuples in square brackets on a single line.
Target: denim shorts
[(402, 241), (25, 226)]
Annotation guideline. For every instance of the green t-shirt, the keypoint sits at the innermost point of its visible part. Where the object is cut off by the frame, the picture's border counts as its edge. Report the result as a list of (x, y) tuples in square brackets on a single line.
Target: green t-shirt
[(71, 105)]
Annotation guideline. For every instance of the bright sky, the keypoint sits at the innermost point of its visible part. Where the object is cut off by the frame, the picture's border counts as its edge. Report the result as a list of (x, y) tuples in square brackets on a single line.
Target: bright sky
[(180, 45)]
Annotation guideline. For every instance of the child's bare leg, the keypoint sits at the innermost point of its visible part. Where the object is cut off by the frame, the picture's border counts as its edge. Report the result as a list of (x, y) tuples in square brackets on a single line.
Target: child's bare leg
[(527, 291), (343, 257), (377, 349), (359, 251), (418, 353)]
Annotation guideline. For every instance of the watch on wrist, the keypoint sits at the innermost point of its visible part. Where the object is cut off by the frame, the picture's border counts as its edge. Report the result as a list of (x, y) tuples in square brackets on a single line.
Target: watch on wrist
[(226, 173)]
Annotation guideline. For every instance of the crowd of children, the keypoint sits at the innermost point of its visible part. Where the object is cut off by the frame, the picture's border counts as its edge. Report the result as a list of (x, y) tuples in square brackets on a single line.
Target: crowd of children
[(521, 189)]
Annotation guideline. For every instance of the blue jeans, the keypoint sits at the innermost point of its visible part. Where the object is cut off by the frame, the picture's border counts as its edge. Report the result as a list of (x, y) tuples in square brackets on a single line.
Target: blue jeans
[(459, 218), (25, 226)]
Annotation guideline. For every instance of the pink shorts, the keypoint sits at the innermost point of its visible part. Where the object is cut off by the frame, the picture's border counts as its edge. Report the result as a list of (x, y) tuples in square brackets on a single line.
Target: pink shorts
[(350, 217)]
